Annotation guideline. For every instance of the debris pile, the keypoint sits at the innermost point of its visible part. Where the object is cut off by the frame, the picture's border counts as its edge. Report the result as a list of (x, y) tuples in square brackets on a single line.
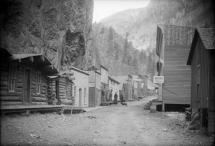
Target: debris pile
[(195, 121), (148, 105)]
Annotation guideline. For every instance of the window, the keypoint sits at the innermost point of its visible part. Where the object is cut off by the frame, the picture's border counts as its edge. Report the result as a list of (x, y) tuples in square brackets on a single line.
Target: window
[(12, 78), (85, 93), (38, 82), (74, 91)]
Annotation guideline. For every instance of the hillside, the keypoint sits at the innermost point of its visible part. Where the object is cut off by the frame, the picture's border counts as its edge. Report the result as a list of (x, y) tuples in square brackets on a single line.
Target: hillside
[(115, 52), (137, 27), (141, 23)]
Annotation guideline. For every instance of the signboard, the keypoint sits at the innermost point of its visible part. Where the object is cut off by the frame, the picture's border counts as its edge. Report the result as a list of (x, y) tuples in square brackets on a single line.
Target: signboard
[(158, 79)]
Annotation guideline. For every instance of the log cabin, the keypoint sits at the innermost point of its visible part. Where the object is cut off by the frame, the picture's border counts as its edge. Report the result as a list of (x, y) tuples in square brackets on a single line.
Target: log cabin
[(94, 87), (24, 78), (61, 88), (172, 48), (202, 61)]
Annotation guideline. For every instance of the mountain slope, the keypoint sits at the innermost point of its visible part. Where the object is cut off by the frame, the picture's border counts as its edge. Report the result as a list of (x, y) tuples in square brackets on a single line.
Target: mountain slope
[(115, 52), (141, 23)]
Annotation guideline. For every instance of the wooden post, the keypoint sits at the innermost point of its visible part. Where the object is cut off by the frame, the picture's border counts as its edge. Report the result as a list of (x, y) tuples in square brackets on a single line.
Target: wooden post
[(163, 104)]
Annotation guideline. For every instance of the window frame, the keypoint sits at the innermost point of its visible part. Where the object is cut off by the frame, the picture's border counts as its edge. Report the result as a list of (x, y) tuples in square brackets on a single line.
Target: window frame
[(12, 77), (38, 82)]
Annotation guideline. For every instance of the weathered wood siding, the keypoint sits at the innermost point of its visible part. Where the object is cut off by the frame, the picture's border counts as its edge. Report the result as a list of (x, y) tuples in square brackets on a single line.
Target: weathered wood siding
[(175, 48), (195, 80), (17, 97), (65, 89), (7, 97), (42, 96), (202, 62), (211, 104)]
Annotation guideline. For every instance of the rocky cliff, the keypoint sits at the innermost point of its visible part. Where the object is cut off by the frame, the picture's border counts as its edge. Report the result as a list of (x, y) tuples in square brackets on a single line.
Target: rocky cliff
[(59, 29)]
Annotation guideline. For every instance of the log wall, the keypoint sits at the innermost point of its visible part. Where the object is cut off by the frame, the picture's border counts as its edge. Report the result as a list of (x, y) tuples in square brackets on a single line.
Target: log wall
[(17, 97)]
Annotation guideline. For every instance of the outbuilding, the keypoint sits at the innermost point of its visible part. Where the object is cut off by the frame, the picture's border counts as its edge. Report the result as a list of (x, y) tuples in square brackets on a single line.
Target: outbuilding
[(202, 61), (81, 87), (60, 87)]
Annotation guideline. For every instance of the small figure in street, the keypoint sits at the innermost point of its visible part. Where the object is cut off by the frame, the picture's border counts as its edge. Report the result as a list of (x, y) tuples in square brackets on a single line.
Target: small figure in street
[(115, 98), (122, 100), (121, 97), (110, 95)]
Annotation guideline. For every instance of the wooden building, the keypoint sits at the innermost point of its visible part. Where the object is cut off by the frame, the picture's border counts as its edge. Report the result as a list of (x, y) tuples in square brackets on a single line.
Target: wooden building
[(139, 87), (80, 87), (94, 87), (61, 88), (172, 49), (104, 85), (126, 87), (113, 87), (202, 62), (24, 78)]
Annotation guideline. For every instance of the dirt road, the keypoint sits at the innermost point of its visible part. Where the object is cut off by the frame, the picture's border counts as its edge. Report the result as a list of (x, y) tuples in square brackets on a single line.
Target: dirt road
[(114, 125)]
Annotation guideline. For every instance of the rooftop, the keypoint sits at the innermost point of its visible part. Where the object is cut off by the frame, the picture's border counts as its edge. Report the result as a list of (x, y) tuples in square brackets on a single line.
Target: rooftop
[(207, 36)]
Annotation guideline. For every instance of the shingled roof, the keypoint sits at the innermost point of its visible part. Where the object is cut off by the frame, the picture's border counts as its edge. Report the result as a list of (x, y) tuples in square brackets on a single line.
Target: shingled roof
[(207, 36)]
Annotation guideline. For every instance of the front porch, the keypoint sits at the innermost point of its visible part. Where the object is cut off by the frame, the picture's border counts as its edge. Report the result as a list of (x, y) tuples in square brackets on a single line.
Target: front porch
[(6, 109)]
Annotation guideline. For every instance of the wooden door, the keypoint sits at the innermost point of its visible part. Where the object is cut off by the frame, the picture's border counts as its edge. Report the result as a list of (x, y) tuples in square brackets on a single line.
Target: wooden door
[(57, 90), (27, 95), (92, 96)]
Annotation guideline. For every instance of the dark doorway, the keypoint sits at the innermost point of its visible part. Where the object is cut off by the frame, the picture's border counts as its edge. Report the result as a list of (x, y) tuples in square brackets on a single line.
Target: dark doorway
[(27, 95), (57, 91)]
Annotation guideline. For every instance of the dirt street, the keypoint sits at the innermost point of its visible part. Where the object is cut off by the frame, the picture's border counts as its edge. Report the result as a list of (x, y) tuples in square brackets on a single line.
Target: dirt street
[(114, 125)]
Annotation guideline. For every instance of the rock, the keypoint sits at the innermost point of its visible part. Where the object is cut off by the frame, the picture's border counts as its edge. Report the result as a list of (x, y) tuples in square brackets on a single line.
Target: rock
[(34, 136), (165, 130), (42, 26), (91, 117), (67, 111)]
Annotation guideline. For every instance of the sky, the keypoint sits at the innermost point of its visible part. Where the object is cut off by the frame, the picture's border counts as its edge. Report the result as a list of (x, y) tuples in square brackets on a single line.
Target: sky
[(105, 8)]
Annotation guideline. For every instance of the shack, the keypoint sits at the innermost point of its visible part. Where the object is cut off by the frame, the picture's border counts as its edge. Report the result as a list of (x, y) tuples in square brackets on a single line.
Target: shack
[(61, 88), (94, 87), (24, 78), (80, 87), (202, 61), (172, 49)]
